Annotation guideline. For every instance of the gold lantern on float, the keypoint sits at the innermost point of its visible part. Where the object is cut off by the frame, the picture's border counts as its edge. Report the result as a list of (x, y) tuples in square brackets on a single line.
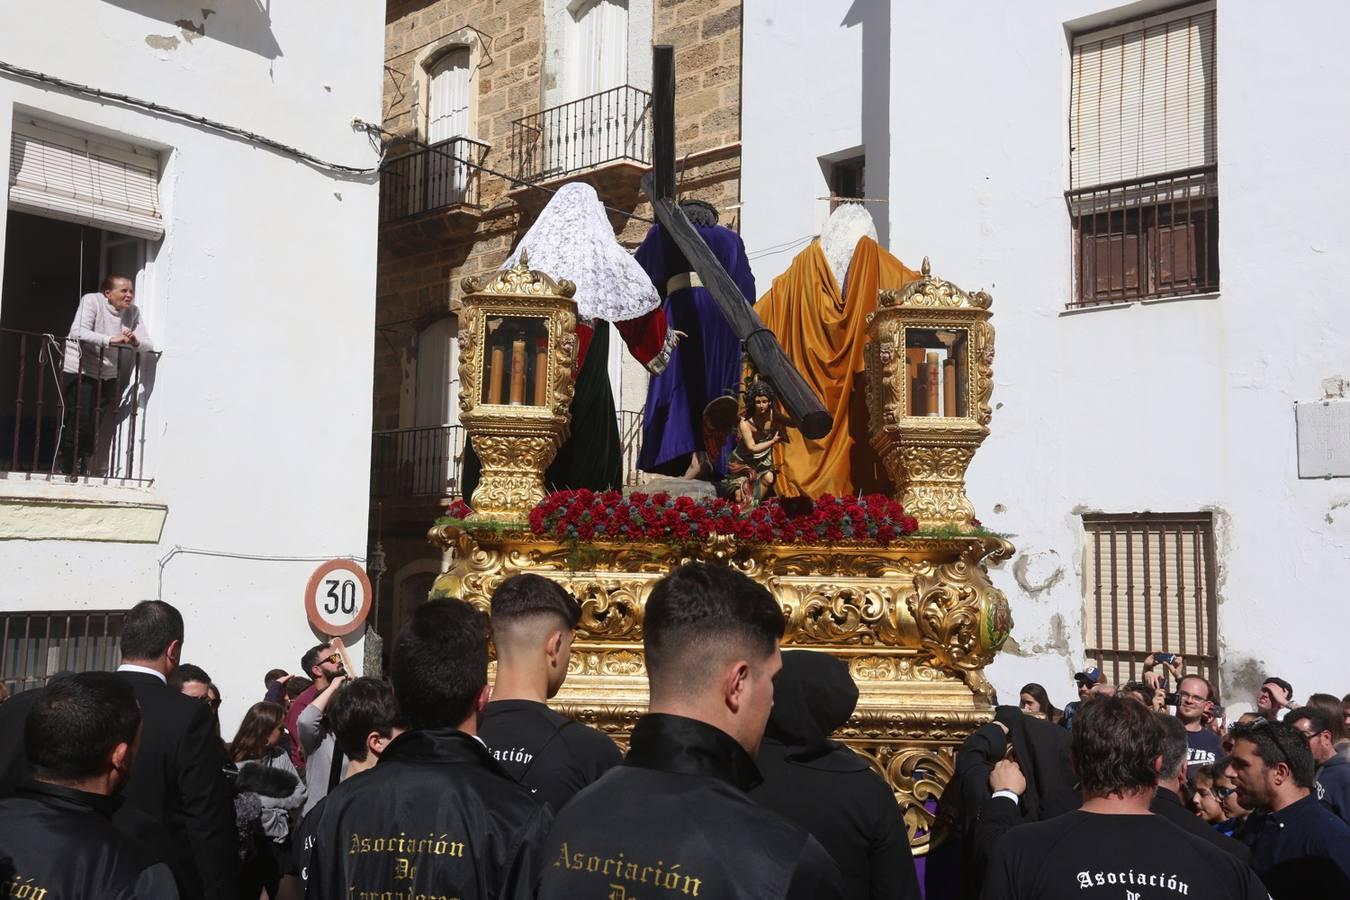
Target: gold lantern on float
[(518, 348), (929, 358)]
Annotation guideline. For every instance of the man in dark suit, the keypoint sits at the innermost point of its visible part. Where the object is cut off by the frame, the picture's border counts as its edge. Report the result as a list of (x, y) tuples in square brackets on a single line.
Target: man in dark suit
[(1167, 799), (177, 803)]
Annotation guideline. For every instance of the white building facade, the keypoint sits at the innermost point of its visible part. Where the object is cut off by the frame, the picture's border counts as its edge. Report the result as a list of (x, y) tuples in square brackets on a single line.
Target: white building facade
[(240, 452), (1154, 195)]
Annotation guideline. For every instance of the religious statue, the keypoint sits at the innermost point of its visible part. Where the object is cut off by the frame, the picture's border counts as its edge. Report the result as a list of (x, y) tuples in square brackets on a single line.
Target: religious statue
[(818, 310), (750, 468), (706, 365), (572, 239)]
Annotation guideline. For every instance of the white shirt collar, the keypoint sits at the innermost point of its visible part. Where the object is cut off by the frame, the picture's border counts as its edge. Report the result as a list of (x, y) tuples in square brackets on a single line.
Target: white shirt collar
[(129, 667)]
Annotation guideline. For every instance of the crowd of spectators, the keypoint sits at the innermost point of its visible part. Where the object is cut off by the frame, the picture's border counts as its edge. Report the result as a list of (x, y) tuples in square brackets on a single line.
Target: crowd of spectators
[(439, 782)]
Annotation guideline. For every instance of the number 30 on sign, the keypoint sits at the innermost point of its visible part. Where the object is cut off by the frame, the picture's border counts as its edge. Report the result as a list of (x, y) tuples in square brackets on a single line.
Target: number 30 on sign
[(338, 597)]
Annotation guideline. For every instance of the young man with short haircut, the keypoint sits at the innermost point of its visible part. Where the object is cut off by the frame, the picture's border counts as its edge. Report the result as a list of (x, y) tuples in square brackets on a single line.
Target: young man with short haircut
[(56, 835), (1333, 770), (363, 719), (533, 621), (1299, 847), (437, 816), (675, 818), (1113, 846)]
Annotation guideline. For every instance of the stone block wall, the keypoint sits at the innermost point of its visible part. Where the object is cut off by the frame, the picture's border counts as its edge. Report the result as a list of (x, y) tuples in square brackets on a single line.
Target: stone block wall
[(423, 258)]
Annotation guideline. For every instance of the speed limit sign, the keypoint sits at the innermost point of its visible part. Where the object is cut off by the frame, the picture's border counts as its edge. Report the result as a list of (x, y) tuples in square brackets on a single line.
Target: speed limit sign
[(338, 597)]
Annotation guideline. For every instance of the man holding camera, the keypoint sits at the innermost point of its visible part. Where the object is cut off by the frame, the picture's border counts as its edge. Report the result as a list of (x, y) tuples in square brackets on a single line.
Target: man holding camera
[(1194, 701)]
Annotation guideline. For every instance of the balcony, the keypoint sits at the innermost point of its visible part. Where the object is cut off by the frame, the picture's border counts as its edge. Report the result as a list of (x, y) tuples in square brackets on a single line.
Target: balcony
[(441, 176), (85, 425), (608, 127), (416, 463), (421, 466), (1146, 238)]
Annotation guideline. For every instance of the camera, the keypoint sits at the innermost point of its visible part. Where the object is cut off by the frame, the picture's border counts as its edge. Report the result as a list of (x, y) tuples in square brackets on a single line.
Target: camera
[(1171, 699), (1164, 658)]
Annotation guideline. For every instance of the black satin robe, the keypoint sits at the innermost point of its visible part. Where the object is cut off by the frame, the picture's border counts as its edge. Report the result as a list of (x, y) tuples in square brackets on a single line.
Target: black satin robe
[(675, 821), (58, 842), (437, 817)]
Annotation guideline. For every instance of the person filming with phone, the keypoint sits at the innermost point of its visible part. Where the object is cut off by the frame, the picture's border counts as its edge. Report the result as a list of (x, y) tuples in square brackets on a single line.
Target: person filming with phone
[(1195, 700)]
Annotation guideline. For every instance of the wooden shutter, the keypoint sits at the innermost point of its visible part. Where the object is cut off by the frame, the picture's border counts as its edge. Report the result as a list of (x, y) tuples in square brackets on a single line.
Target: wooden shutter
[(449, 107), (601, 46), (1148, 586), (1143, 98), (90, 181)]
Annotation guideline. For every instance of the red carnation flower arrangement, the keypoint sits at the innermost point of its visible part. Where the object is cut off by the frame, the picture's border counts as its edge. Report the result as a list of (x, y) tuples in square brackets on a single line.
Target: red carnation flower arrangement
[(609, 516)]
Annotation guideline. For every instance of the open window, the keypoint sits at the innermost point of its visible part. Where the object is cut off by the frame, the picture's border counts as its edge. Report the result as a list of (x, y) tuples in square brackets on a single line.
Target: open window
[(80, 207)]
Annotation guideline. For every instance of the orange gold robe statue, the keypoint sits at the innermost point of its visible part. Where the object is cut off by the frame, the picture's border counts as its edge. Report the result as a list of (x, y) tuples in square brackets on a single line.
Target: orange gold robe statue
[(823, 329)]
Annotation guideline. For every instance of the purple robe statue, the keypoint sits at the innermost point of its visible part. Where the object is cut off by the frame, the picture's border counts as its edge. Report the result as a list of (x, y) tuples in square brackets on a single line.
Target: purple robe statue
[(707, 362)]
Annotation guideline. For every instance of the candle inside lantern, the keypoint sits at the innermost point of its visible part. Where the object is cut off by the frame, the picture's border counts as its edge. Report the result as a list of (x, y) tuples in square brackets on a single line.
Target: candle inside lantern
[(913, 362), (517, 372), (495, 367), (949, 387), (931, 369), (540, 374)]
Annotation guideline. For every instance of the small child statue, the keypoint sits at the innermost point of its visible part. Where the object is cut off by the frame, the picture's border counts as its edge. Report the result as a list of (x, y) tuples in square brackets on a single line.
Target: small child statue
[(750, 467)]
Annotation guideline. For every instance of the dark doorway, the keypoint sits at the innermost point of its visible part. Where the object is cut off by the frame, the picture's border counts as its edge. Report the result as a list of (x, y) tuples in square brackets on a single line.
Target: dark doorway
[(48, 266)]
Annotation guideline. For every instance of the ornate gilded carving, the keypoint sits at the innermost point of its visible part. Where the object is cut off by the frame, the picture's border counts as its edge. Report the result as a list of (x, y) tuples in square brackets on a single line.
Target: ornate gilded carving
[(918, 776), (927, 455), (915, 621)]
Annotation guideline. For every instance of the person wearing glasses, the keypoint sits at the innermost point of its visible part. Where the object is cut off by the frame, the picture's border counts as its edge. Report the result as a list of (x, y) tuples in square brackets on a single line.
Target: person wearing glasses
[(1299, 847), (1195, 705), (322, 663), (1332, 786), (1215, 798)]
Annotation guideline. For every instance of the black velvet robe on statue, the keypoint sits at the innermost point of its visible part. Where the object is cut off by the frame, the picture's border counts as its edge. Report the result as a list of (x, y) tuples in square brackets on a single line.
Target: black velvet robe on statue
[(591, 457)]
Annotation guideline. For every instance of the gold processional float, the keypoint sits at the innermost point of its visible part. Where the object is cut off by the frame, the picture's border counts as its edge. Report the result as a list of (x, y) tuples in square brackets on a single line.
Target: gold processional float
[(916, 621)]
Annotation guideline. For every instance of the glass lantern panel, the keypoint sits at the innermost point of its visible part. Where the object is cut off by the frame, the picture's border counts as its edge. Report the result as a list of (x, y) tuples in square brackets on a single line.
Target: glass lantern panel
[(937, 366), (515, 366)]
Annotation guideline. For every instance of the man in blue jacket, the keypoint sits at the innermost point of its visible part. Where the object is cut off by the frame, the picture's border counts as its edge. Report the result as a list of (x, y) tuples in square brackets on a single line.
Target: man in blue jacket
[(1332, 786)]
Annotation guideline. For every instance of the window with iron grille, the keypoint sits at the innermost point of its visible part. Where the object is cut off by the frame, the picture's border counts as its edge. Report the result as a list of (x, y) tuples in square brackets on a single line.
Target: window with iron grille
[(34, 646), (1149, 584), (1143, 196)]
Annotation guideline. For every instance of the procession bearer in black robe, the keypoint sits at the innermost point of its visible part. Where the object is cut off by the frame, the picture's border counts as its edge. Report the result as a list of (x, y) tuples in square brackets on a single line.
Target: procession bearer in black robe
[(56, 834), (828, 789), (437, 817), (675, 820)]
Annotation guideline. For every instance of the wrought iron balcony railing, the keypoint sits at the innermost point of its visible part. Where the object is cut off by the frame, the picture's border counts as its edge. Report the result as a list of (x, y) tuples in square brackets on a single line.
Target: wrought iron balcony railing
[(606, 127), (416, 462), (71, 410), (425, 461), (1146, 237), (436, 177)]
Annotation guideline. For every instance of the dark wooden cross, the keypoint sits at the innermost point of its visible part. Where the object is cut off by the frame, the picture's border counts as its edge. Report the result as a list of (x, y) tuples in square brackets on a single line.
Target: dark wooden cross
[(763, 348)]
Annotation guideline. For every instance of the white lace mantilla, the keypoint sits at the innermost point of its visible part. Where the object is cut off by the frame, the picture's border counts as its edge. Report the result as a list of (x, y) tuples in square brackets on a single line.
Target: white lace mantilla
[(848, 224), (572, 239)]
